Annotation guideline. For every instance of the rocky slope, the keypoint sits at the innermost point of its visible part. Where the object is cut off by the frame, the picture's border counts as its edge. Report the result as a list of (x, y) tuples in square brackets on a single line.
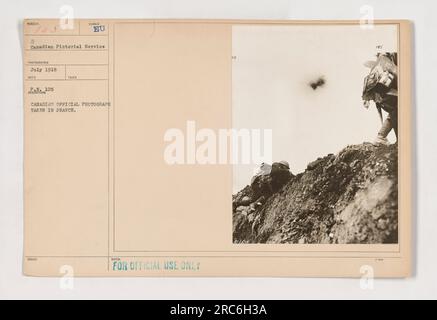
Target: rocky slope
[(350, 197)]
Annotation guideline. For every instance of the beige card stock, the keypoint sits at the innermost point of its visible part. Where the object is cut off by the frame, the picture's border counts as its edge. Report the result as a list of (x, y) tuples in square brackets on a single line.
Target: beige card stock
[(125, 173)]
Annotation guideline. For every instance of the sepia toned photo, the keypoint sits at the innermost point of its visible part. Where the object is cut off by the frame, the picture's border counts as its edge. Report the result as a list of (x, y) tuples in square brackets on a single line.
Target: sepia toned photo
[(326, 99), (217, 148)]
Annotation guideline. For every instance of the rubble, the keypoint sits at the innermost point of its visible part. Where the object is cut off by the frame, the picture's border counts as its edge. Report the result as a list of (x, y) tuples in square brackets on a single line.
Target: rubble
[(346, 198)]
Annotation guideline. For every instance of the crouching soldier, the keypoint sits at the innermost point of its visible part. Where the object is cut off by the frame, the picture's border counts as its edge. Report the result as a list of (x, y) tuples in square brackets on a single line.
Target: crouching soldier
[(260, 184), (269, 180), (280, 175)]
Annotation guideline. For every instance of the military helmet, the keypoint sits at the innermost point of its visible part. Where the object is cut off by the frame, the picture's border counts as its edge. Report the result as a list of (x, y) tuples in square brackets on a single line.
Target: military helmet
[(285, 164)]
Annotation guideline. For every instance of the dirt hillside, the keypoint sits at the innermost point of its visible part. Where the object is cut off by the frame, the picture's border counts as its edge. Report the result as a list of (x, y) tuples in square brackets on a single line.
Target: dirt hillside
[(350, 197)]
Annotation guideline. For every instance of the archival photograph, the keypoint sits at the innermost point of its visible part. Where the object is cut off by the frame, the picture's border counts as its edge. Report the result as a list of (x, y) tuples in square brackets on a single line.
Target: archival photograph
[(319, 104)]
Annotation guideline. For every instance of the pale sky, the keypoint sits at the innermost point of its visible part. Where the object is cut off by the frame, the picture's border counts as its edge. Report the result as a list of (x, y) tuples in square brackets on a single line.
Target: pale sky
[(270, 90)]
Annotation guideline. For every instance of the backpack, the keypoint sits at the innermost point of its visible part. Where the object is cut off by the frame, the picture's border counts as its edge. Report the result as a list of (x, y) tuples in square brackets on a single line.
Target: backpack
[(381, 81)]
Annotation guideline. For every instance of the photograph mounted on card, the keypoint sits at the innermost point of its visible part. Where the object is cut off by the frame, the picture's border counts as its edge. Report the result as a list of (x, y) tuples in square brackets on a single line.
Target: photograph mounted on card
[(217, 148)]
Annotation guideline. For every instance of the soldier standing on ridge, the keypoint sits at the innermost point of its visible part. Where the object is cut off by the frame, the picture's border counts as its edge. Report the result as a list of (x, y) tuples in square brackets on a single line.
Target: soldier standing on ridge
[(381, 87)]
